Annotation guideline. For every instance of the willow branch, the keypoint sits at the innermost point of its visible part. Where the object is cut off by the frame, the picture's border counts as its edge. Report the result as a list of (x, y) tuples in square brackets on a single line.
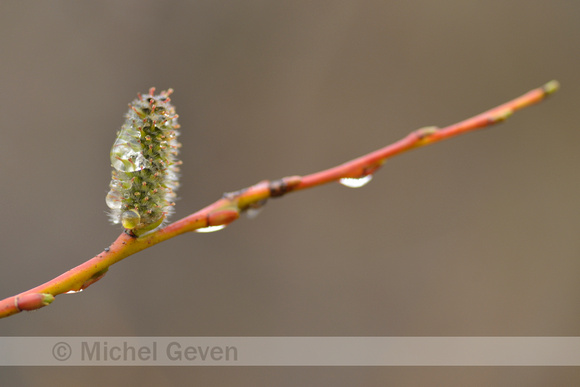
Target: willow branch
[(228, 208)]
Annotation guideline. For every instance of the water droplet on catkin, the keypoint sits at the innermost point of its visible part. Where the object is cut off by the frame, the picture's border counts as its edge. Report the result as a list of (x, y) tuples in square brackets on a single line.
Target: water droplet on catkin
[(352, 182), (113, 200), (130, 219)]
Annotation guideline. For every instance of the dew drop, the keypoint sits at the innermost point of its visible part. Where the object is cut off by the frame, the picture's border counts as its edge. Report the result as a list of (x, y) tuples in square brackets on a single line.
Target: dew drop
[(352, 182), (252, 213), (130, 219), (254, 209), (129, 161), (74, 291), (211, 228), (113, 200), (126, 154)]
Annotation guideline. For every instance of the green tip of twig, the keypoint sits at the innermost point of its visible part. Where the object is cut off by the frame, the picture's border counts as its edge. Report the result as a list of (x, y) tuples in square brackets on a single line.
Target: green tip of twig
[(551, 87), (47, 298), (33, 301)]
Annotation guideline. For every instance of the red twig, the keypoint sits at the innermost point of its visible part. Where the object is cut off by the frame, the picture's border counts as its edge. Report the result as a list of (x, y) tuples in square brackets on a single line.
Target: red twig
[(228, 208)]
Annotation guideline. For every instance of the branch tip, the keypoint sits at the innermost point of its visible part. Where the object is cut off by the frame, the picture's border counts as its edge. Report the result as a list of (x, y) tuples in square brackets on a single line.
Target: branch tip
[(33, 301), (551, 87)]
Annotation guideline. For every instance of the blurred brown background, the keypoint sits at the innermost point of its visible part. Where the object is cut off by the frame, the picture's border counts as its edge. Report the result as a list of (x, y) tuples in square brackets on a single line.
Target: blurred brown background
[(476, 236)]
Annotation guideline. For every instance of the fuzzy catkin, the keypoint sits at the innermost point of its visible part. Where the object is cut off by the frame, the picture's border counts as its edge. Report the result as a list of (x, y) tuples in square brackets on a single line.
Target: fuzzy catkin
[(145, 168)]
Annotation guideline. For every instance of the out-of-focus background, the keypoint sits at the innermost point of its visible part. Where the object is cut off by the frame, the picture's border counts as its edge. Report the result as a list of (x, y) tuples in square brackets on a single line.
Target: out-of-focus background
[(476, 236)]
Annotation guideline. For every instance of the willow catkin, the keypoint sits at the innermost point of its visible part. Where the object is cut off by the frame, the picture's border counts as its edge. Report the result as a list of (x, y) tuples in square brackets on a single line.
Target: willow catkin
[(145, 168)]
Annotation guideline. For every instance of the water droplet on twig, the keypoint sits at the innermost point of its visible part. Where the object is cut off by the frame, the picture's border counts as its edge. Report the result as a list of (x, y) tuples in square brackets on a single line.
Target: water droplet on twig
[(252, 213), (254, 209), (352, 182), (211, 228)]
